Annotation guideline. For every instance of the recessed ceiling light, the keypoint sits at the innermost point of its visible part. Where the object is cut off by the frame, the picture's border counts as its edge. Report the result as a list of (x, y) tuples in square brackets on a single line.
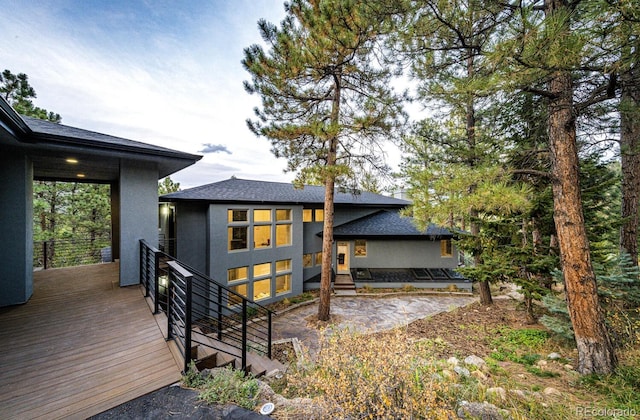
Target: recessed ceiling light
[(80, 175), (71, 160)]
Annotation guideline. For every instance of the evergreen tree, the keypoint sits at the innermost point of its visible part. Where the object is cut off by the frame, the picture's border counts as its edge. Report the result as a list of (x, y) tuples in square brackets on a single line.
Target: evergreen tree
[(17, 91), (327, 105)]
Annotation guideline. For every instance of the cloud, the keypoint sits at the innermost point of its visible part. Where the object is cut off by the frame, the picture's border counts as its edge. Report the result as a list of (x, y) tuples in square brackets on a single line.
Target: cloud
[(214, 148)]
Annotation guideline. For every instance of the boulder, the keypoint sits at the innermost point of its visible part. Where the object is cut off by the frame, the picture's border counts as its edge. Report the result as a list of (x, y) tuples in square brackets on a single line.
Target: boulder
[(475, 361), (484, 411)]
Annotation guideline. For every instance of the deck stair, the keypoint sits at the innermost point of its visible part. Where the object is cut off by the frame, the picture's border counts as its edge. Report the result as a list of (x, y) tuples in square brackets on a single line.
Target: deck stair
[(213, 353)]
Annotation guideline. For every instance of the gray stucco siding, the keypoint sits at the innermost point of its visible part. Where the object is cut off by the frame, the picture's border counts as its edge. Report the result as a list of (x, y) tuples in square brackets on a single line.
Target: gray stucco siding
[(16, 228), (402, 254), (191, 235), (138, 208), (222, 259)]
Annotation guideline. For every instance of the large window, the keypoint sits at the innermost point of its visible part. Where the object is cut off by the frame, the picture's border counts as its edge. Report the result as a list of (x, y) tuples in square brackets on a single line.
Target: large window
[(237, 238), (238, 228), (446, 249), (262, 236), (283, 284), (283, 235), (236, 274), (262, 289), (360, 248), (240, 289)]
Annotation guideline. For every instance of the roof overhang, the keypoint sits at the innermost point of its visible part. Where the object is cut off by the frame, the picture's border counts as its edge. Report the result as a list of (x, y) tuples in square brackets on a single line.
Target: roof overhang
[(64, 153)]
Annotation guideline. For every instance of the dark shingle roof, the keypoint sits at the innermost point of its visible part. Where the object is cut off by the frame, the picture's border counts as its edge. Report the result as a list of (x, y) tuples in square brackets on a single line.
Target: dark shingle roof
[(243, 190), (387, 224), (64, 133)]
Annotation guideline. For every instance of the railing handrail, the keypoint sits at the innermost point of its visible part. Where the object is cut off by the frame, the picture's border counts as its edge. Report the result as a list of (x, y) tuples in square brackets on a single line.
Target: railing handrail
[(196, 288), (200, 274)]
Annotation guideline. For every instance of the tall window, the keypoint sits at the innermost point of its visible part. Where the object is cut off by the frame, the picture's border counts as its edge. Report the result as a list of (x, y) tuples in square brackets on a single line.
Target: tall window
[(318, 258), (240, 289), (262, 236), (283, 284), (307, 215), (446, 249), (283, 276), (262, 281), (283, 234), (360, 248), (319, 214), (238, 228)]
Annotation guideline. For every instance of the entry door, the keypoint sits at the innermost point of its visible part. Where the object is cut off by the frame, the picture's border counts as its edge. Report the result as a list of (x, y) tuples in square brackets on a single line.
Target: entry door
[(342, 258)]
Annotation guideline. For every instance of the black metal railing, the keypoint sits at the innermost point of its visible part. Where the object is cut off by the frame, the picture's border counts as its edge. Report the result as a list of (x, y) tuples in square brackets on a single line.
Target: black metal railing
[(202, 312), (56, 253)]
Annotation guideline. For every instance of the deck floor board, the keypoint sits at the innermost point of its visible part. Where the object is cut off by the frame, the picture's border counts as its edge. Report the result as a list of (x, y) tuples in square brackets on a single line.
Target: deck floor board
[(81, 345)]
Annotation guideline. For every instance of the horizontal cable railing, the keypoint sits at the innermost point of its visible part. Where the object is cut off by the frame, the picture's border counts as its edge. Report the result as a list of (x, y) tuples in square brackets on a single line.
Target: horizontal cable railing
[(202, 312), (55, 253)]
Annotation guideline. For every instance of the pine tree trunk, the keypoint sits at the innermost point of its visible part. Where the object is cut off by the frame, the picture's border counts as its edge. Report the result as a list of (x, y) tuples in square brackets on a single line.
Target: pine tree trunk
[(630, 156), (595, 350), (324, 307), (327, 251)]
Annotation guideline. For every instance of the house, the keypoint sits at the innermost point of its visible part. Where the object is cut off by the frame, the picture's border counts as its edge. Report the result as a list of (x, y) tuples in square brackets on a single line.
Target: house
[(33, 149), (264, 239)]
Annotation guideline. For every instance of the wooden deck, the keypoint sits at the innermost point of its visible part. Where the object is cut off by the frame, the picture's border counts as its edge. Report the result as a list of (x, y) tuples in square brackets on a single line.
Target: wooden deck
[(80, 346)]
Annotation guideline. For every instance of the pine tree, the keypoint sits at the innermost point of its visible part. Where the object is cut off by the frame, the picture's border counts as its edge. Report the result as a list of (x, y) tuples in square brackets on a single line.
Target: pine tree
[(327, 105)]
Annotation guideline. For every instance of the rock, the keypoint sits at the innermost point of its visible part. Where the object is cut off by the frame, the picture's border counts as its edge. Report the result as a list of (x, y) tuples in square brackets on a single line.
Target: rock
[(553, 356), (541, 363), (519, 393), (453, 361), (475, 361), (497, 392), (484, 411), (462, 371), (551, 391), (479, 375), (568, 367)]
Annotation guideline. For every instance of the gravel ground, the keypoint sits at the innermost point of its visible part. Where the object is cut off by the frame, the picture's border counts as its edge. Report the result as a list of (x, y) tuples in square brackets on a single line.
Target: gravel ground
[(176, 403)]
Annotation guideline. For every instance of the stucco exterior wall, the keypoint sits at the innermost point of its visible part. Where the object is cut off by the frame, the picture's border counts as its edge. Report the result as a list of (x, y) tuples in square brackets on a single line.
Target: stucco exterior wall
[(191, 235), (403, 254), (16, 228), (138, 215), (221, 259)]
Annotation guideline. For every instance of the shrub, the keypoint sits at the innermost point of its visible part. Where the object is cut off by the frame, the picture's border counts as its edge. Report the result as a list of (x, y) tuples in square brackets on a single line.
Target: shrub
[(360, 376), (223, 385)]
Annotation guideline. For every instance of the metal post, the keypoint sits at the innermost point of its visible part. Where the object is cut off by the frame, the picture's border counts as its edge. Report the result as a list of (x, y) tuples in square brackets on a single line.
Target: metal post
[(219, 313), (44, 253), (143, 268), (269, 335), (187, 328), (244, 334), (156, 283)]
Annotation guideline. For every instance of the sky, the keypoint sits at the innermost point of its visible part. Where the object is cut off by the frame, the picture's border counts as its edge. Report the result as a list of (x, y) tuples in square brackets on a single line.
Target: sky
[(164, 72)]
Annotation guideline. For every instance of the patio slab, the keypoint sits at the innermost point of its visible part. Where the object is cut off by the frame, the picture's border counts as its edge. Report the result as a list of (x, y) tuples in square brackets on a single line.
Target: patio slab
[(364, 314)]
